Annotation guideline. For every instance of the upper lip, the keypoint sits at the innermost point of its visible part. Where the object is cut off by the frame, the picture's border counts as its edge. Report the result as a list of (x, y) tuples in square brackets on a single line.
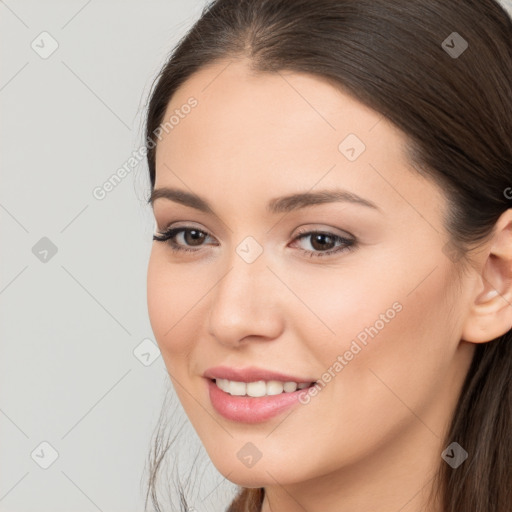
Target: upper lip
[(250, 374)]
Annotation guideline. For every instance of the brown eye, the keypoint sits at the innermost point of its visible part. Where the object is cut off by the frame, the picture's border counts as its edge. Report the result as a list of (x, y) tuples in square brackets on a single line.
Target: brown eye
[(183, 238), (193, 236), (322, 241)]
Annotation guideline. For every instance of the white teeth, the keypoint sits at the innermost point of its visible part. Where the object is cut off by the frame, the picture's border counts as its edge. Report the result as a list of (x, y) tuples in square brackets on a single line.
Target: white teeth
[(259, 388), (290, 387), (274, 387), (223, 384), (237, 388)]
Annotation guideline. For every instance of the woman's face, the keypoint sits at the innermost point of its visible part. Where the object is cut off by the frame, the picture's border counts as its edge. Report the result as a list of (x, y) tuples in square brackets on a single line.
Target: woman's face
[(370, 307)]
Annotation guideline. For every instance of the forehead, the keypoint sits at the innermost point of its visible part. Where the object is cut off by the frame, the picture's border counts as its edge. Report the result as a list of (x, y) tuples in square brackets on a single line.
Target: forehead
[(238, 104), (284, 130)]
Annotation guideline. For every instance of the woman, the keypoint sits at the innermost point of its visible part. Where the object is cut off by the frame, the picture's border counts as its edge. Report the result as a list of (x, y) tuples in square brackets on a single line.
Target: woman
[(331, 278)]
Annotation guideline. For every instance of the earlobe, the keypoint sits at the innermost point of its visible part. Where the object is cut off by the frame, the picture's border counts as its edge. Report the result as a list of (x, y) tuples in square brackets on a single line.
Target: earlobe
[(490, 315)]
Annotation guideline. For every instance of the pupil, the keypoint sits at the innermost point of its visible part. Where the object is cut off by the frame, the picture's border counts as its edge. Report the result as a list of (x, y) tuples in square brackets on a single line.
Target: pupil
[(321, 238), (195, 236)]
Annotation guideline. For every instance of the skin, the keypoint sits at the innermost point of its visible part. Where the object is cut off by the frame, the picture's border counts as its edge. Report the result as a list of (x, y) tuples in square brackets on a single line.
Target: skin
[(372, 438)]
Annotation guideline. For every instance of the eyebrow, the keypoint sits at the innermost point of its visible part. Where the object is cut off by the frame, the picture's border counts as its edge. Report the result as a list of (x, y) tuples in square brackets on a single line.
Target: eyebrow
[(277, 205)]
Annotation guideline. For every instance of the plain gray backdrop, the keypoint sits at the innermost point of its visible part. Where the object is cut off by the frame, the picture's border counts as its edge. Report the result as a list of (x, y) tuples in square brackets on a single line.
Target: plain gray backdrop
[(81, 379)]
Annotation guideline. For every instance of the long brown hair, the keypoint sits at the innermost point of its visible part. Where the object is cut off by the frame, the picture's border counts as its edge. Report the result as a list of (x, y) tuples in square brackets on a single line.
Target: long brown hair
[(454, 103)]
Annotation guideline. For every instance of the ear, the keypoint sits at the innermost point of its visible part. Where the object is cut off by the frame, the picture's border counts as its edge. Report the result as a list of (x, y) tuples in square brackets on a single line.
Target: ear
[(491, 310)]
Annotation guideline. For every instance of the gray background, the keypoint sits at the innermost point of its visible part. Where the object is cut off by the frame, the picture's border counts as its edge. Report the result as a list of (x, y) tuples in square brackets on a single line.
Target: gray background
[(73, 372)]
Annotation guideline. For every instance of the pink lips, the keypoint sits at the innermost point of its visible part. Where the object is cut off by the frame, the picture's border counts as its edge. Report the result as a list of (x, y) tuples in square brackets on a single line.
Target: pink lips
[(250, 374), (247, 409)]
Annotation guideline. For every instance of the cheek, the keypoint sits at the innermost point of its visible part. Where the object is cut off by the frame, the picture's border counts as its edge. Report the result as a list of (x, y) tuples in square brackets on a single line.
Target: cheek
[(341, 304), (172, 298), (385, 303), (376, 333)]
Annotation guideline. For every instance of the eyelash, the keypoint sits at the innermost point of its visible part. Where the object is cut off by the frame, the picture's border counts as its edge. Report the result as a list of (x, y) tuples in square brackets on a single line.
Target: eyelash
[(350, 244)]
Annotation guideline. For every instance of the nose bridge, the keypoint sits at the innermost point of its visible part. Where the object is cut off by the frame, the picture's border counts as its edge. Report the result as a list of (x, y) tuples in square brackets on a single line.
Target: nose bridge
[(244, 302)]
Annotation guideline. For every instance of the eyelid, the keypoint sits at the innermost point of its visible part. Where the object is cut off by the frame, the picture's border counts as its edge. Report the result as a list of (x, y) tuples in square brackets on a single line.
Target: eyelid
[(328, 230), (177, 224)]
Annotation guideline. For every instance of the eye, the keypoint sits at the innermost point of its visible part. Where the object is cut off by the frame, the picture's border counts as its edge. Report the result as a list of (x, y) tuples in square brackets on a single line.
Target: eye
[(189, 235), (323, 243)]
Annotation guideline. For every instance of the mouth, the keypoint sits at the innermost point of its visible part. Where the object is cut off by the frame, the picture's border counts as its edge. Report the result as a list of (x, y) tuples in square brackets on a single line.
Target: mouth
[(256, 401), (259, 388)]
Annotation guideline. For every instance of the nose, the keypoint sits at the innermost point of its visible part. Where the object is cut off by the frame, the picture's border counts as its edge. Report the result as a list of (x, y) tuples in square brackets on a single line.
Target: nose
[(246, 303)]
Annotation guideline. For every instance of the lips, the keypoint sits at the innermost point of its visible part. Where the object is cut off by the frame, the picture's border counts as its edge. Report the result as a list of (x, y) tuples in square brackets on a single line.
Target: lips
[(252, 374), (249, 410)]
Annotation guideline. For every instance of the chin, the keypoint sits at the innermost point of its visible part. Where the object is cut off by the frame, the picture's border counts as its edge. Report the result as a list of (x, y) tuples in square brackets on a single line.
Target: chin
[(259, 475)]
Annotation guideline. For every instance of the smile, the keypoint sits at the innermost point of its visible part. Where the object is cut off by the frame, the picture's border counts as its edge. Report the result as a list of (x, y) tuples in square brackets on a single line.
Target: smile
[(254, 402), (259, 388)]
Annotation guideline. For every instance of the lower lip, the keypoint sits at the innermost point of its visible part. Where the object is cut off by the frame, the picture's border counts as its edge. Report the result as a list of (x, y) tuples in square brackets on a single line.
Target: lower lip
[(246, 409)]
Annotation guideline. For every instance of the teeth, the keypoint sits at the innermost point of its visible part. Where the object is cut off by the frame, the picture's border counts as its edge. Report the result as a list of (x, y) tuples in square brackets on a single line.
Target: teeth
[(237, 388), (259, 388), (223, 384), (290, 387), (274, 387), (256, 388)]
